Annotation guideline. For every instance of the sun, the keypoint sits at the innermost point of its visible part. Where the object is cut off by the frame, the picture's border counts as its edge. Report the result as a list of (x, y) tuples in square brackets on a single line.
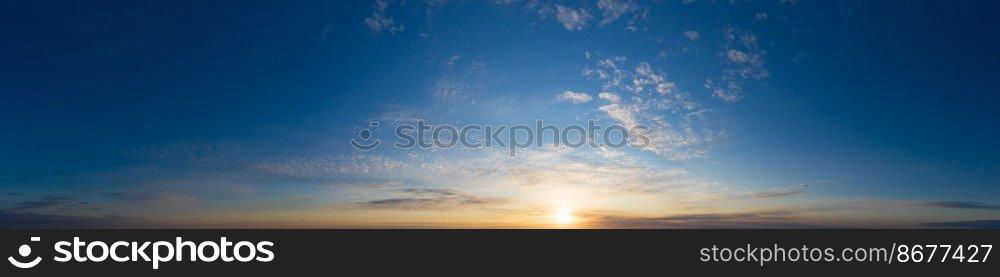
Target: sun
[(563, 216)]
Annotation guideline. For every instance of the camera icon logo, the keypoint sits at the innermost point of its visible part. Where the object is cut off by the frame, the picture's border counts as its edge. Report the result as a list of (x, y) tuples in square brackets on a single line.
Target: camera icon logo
[(366, 142), (25, 251)]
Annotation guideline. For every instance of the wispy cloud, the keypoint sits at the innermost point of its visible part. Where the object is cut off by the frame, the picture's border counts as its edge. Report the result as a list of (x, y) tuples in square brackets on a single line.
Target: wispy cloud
[(611, 10), (47, 203), (692, 35), (378, 22), (971, 224), (10, 220), (142, 196), (781, 191), (964, 205), (762, 219), (462, 81), (611, 97), (743, 60), (772, 215), (430, 199), (133, 196), (573, 19), (589, 171), (674, 123), (574, 97)]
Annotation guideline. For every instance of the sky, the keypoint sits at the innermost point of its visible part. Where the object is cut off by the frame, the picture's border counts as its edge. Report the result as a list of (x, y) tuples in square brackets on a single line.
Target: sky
[(759, 114)]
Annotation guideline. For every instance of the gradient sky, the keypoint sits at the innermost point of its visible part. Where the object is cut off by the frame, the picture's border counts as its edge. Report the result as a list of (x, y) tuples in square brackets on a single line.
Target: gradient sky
[(790, 113)]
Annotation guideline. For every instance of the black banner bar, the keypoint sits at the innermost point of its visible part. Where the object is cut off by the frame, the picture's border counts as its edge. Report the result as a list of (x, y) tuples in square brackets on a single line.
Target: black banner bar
[(476, 252)]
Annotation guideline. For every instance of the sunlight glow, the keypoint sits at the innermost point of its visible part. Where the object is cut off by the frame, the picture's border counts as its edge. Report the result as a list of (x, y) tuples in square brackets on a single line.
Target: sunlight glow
[(563, 216)]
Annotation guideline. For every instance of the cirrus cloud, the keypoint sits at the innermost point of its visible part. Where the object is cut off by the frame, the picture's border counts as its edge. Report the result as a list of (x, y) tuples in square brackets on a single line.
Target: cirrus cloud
[(574, 97), (573, 19)]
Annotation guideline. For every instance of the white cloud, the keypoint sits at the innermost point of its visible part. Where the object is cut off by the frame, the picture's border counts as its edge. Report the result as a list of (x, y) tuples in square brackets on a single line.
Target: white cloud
[(461, 82), (780, 192), (531, 175), (760, 15), (572, 19), (645, 76), (608, 71), (728, 88), (743, 61), (574, 97), (450, 91), (676, 126), (451, 61), (378, 22), (624, 115), (642, 15), (611, 97), (692, 35), (614, 9), (430, 199), (737, 56), (542, 9)]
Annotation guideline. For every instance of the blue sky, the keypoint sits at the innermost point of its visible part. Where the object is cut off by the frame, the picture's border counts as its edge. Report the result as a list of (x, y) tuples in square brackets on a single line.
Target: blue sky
[(762, 113)]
